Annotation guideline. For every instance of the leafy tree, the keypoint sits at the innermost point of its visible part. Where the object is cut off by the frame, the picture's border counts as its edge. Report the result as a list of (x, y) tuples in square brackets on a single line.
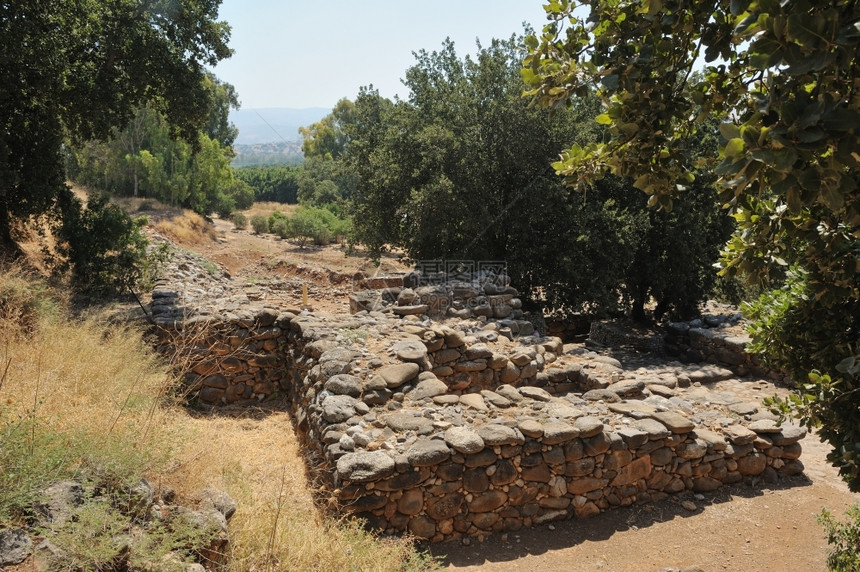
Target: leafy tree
[(278, 184), (784, 77), (461, 171), (327, 138), (103, 247), (82, 68)]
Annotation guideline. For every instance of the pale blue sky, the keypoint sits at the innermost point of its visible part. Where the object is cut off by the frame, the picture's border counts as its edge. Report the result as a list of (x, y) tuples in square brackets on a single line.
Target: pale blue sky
[(311, 53)]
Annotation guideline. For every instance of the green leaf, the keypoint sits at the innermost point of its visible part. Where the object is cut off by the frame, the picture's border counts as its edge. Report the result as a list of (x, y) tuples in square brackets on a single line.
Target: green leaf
[(610, 81), (603, 119), (729, 131), (734, 148), (831, 198)]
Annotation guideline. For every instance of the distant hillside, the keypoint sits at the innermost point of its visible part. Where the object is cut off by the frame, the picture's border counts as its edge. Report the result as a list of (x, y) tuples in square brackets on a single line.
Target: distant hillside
[(274, 124)]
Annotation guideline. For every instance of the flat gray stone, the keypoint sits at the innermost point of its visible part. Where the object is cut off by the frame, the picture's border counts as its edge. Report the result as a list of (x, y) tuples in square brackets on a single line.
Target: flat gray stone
[(739, 435), (531, 428), (402, 421), (495, 434), (563, 411), (15, 546), (475, 401), (710, 373), (509, 392), (427, 452), (429, 388), (588, 426), (398, 374), (365, 466), (535, 393), (676, 422), (410, 351), (790, 434), (601, 395), (742, 408), (495, 399), (627, 387), (653, 428), (634, 409), (344, 384), (478, 351), (765, 426), (464, 440), (633, 437), (556, 432), (610, 361), (337, 408), (415, 310), (712, 439)]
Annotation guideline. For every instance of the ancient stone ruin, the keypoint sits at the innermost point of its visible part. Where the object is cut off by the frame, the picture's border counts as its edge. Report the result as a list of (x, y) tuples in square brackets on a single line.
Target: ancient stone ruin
[(442, 411)]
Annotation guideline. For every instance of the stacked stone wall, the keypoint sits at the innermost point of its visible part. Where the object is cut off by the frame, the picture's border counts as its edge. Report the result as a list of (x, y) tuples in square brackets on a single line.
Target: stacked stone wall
[(410, 451), (470, 426)]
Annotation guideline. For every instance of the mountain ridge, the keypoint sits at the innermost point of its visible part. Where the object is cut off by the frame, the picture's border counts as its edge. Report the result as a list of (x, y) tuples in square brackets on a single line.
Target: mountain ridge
[(273, 124)]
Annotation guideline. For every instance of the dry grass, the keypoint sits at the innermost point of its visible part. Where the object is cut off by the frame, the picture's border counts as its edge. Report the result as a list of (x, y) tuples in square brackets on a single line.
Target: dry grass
[(188, 228), (91, 378), (267, 208)]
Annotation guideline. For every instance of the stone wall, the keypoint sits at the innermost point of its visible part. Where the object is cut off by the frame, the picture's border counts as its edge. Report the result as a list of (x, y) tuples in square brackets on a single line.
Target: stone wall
[(718, 339), (470, 426)]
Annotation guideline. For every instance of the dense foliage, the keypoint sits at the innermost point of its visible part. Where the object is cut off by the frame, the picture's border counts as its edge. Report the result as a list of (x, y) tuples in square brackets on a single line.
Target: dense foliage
[(79, 68), (143, 158), (785, 76), (278, 184), (460, 171)]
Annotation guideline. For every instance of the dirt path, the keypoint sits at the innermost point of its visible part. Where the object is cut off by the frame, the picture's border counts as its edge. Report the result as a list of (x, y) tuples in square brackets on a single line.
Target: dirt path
[(759, 527)]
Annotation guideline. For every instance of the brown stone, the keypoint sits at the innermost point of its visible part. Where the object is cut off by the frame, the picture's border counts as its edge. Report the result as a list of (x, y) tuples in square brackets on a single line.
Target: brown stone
[(596, 445), (412, 502), (574, 450), (490, 500), (638, 469), (555, 503), (422, 527), (539, 473), (476, 480), (706, 484), (579, 468), (210, 395), (752, 464), (585, 484), (505, 474), (587, 510), (446, 507), (484, 520)]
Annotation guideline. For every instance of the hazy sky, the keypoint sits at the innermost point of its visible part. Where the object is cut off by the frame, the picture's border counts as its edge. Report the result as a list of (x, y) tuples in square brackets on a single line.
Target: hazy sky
[(311, 53)]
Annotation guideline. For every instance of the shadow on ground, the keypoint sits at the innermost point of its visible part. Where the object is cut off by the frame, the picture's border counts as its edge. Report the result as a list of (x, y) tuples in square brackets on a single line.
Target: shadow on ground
[(507, 547)]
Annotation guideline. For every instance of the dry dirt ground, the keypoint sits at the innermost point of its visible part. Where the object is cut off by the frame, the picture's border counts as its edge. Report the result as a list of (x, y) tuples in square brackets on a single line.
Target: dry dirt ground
[(750, 527)]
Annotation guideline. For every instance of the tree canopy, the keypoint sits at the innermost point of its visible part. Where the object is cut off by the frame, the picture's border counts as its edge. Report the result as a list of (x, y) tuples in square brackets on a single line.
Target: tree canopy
[(79, 68), (460, 171), (784, 78)]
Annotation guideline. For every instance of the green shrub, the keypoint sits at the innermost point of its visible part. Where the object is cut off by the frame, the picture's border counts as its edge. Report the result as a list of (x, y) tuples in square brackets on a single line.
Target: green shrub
[(102, 246), (275, 217), (260, 224), (844, 540), (240, 221), (281, 227)]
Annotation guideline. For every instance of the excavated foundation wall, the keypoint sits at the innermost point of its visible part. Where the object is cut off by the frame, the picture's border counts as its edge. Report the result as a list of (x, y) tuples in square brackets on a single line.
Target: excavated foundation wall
[(450, 432)]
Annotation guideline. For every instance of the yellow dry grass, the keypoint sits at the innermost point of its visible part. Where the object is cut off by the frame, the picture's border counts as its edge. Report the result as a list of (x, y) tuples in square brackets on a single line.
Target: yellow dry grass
[(188, 228), (267, 208), (93, 377)]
